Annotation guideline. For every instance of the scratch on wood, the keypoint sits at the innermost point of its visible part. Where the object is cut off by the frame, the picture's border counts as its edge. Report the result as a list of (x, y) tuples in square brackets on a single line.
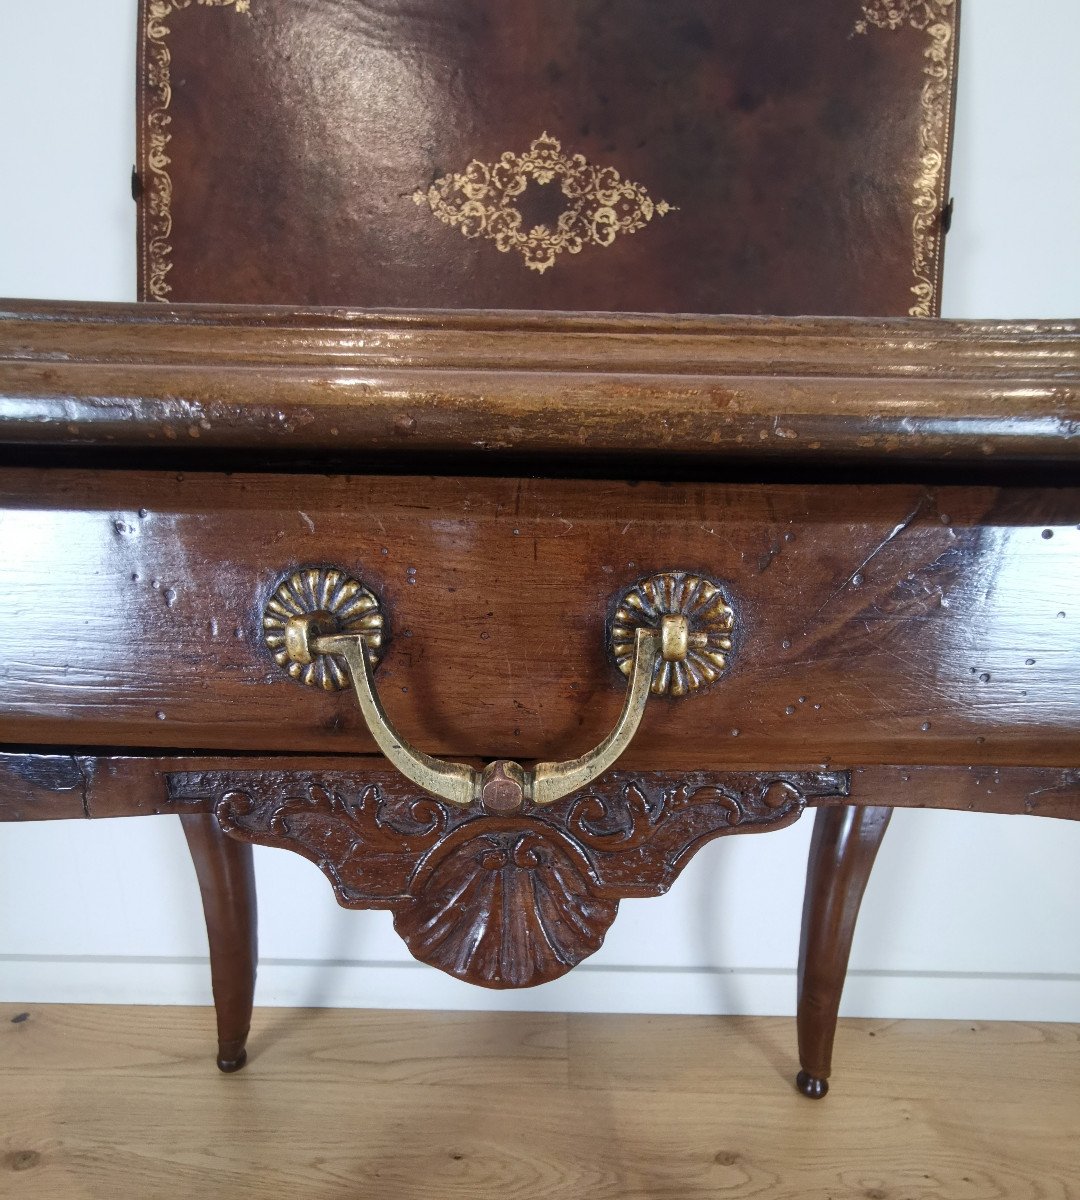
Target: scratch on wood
[(1069, 781), (766, 560), (904, 525)]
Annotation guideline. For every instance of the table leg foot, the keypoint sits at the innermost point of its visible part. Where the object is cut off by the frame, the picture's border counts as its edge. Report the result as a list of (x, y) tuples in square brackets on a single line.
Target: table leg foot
[(231, 1058), (809, 1086)]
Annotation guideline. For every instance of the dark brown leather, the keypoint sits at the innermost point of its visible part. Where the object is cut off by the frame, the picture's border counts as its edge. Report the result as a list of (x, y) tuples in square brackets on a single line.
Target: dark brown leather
[(302, 151)]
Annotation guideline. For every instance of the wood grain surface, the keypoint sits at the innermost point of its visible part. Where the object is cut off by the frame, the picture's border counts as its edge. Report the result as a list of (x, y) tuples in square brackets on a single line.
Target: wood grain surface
[(50, 787), (889, 624), (484, 386), (97, 1103)]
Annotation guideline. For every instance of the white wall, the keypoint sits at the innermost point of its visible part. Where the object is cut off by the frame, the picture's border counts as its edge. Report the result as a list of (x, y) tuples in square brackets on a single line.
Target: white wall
[(968, 916)]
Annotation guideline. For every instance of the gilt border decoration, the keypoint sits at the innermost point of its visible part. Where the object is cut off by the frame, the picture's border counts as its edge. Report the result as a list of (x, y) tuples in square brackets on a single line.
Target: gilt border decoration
[(157, 79), (937, 19)]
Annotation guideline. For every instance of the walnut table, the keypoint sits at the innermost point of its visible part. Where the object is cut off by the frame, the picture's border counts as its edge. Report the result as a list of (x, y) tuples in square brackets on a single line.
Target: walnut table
[(395, 592)]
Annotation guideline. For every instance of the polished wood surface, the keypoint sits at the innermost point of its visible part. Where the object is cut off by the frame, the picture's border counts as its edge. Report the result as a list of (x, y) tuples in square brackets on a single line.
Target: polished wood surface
[(38, 787), (843, 848), (873, 624), (484, 387), (914, 618), (97, 1103), (497, 898), (226, 872)]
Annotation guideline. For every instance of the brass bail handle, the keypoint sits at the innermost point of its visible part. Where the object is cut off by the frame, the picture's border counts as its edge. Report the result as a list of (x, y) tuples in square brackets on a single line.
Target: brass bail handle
[(660, 651)]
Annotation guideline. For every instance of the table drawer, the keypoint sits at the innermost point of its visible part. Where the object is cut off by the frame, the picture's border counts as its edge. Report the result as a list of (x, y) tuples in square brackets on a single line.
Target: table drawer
[(872, 624)]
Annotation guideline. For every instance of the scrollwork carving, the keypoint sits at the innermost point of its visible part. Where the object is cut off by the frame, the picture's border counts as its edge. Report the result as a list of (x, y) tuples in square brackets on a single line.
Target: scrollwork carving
[(499, 900)]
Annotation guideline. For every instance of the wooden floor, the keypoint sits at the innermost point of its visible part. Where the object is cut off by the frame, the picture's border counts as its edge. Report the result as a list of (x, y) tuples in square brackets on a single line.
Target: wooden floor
[(126, 1102)]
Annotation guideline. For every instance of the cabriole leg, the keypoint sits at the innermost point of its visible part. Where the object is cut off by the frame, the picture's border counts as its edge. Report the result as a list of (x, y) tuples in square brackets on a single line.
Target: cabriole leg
[(842, 852), (227, 882)]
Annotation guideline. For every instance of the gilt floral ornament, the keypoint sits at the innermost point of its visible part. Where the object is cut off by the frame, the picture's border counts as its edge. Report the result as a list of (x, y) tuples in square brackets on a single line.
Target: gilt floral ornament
[(482, 202), (891, 14)]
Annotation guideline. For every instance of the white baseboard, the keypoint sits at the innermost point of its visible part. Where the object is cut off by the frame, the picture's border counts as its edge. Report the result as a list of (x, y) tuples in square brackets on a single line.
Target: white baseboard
[(755, 992)]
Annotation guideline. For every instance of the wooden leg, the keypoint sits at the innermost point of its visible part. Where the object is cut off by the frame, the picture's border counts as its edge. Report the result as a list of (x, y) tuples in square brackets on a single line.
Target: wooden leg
[(227, 882), (842, 852)]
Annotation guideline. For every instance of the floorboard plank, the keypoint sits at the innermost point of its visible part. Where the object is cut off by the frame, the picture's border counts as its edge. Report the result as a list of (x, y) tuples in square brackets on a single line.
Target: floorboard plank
[(104, 1103)]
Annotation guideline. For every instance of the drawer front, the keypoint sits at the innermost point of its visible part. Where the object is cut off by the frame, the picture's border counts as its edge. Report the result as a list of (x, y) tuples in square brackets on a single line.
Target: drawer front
[(891, 624)]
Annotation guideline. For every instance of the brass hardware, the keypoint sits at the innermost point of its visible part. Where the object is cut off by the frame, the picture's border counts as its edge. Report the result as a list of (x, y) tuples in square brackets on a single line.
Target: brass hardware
[(503, 786), (314, 602), (299, 632), (552, 781), (452, 781), (675, 638), (697, 629), (343, 623)]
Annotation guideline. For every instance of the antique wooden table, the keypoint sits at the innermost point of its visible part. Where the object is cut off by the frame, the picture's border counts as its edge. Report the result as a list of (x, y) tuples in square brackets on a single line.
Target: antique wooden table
[(841, 557)]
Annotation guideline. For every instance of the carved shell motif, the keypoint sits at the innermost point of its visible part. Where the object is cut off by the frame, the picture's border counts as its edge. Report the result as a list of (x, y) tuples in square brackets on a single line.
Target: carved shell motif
[(500, 901), (345, 606), (508, 908), (711, 618)]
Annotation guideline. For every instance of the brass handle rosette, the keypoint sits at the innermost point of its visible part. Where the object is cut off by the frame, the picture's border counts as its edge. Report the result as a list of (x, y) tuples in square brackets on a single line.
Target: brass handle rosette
[(671, 633)]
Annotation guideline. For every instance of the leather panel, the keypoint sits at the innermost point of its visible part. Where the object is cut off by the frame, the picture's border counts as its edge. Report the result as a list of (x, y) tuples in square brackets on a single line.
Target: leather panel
[(703, 155)]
